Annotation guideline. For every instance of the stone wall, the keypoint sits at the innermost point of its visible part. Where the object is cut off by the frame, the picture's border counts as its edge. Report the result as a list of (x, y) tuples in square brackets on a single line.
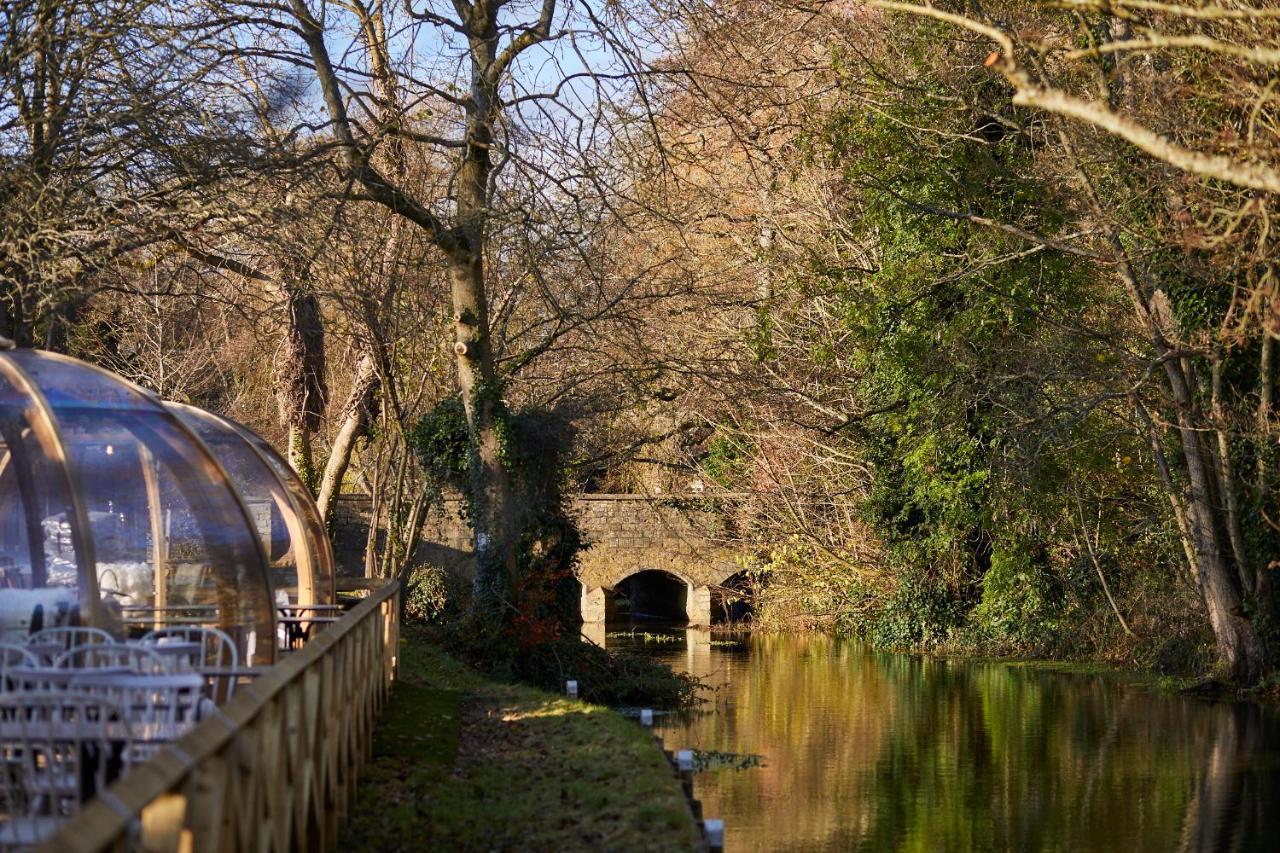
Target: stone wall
[(445, 539)]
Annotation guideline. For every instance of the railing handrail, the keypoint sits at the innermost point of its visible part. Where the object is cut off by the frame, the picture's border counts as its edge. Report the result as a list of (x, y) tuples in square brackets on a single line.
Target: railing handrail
[(106, 820)]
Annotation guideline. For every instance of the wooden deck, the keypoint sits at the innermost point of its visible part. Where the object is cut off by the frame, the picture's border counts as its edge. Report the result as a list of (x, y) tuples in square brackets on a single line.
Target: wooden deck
[(276, 770)]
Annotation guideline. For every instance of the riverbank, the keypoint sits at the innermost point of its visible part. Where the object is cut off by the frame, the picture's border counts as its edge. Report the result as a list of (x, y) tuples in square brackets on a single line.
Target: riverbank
[(1266, 692), (465, 763)]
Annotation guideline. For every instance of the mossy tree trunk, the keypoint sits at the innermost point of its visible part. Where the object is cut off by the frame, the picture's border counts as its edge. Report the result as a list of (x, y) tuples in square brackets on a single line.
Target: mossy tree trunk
[(300, 376)]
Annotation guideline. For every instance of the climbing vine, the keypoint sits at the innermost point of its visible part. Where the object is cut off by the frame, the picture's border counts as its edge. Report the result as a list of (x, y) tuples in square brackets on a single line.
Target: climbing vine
[(533, 447)]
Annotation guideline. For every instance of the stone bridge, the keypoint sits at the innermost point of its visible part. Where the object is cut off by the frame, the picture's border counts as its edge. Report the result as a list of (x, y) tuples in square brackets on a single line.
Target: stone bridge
[(666, 552)]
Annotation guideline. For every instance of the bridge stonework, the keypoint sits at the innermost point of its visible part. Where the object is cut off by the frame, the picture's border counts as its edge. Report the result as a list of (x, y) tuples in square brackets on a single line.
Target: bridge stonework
[(634, 533), (625, 534)]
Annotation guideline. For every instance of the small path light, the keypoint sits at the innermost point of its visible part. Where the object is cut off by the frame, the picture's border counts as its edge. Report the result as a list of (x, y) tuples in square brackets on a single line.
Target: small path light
[(646, 717), (571, 688), (714, 829)]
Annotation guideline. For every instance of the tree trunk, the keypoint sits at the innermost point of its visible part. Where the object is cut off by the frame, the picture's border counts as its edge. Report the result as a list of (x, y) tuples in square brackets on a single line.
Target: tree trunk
[(355, 423), (463, 243), (300, 377), (491, 494), (1239, 647), (1226, 476), (490, 486), (1175, 497)]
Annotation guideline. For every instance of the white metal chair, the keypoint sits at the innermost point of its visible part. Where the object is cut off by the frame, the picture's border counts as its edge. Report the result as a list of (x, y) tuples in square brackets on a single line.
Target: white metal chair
[(14, 656), (217, 657), (132, 657), (159, 708), (217, 649), (53, 641), (57, 751)]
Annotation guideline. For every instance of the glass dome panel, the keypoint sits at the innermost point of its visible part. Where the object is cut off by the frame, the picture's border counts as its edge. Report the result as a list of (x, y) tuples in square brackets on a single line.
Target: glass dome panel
[(300, 559), (171, 541), (317, 535), (40, 550)]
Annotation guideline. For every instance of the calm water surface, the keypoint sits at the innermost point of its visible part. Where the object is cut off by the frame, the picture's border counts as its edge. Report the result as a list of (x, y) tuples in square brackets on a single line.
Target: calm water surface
[(868, 751)]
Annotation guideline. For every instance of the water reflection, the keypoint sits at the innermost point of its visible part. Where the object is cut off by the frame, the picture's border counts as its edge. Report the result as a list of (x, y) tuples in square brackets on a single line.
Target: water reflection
[(869, 751)]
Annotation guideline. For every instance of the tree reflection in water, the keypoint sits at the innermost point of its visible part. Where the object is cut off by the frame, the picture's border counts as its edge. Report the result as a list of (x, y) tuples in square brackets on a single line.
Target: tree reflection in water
[(870, 751)]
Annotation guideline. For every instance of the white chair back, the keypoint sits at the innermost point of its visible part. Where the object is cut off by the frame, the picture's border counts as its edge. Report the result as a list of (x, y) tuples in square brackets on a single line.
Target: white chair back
[(131, 656), (13, 656), (217, 649), (57, 751), (68, 637), (218, 658)]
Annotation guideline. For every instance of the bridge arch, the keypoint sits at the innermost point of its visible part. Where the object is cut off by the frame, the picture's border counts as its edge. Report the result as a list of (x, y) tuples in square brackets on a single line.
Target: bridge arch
[(651, 593), (666, 589)]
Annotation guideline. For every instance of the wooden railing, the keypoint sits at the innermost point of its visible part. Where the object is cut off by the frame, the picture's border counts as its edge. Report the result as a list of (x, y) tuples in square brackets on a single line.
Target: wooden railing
[(276, 769)]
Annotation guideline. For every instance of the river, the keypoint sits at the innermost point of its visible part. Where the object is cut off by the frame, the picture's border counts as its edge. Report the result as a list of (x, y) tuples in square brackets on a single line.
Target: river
[(851, 749)]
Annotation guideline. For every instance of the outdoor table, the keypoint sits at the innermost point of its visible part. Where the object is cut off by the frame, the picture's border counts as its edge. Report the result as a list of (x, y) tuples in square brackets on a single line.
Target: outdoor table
[(209, 621), (298, 628), (229, 672), (148, 729)]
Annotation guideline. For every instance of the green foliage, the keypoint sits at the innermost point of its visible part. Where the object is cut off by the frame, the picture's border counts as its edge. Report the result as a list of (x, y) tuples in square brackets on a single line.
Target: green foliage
[(441, 441), (1020, 600), (964, 342), (919, 613), (541, 602), (724, 459), (428, 596), (938, 323)]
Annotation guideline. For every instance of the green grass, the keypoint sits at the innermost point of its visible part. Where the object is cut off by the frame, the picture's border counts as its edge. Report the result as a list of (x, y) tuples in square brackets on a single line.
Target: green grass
[(464, 763)]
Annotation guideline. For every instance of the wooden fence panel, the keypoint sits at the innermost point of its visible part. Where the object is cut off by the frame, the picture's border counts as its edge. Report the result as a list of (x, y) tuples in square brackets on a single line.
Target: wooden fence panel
[(275, 769)]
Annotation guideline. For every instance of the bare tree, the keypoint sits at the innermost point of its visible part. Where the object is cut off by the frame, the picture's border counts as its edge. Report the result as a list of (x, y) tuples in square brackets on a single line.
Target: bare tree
[(115, 117), (492, 96)]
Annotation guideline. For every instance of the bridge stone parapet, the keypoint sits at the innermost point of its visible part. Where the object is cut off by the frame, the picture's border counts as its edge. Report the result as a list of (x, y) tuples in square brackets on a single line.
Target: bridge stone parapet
[(625, 534)]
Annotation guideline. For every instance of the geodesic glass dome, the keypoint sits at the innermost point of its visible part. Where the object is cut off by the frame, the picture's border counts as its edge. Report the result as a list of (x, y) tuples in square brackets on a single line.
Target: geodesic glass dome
[(299, 556), (114, 514)]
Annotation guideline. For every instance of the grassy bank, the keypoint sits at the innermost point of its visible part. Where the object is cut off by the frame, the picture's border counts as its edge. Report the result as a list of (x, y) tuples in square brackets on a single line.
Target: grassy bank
[(465, 763)]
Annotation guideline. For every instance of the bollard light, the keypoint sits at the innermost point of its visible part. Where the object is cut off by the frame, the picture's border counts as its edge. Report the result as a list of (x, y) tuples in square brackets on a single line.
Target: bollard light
[(646, 717), (715, 833), (571, 687), (684, 761)]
